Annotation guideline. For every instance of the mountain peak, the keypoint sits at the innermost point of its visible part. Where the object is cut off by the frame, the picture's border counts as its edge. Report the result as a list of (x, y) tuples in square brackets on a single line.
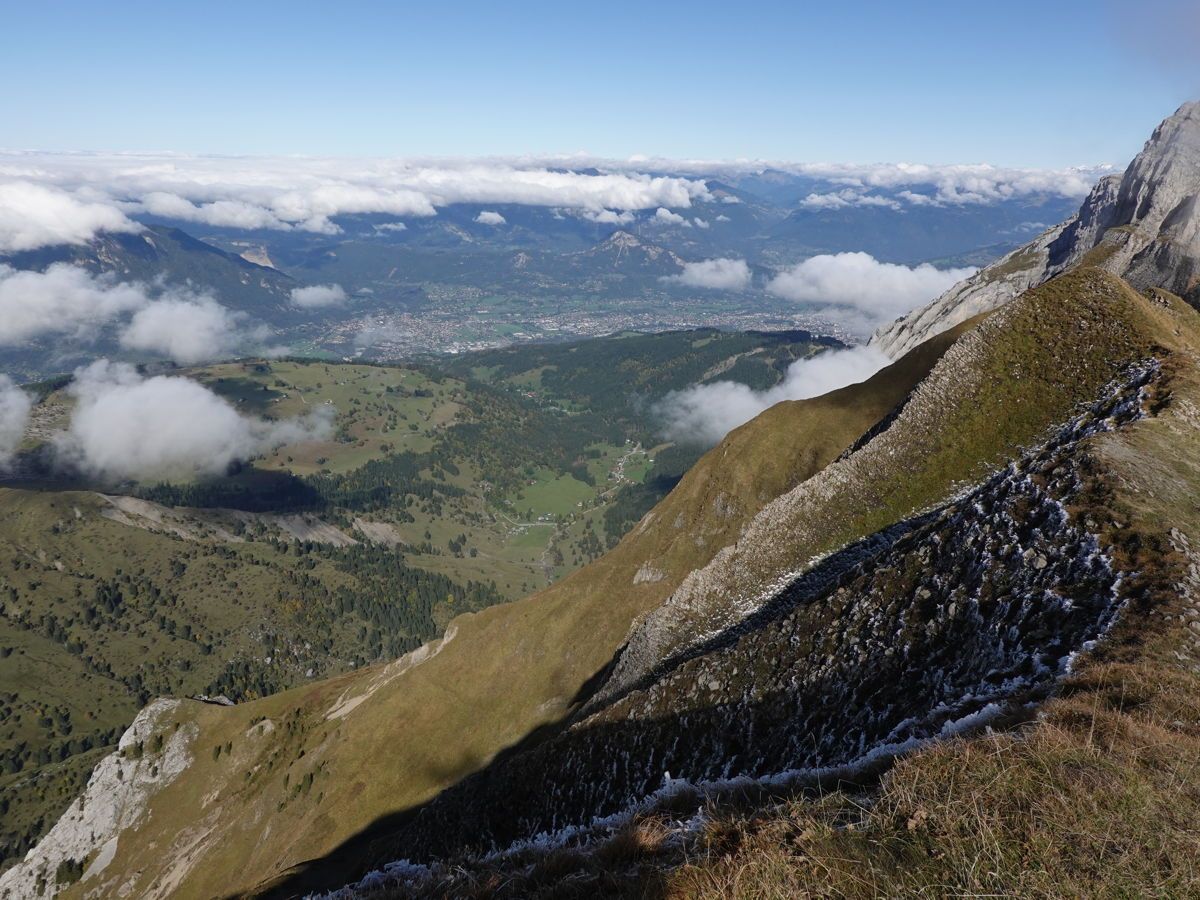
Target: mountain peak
[(622, 239), (1143, 225)]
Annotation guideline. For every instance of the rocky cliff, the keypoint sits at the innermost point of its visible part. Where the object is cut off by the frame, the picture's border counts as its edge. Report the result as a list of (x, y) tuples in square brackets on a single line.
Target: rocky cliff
[(1142, 225)]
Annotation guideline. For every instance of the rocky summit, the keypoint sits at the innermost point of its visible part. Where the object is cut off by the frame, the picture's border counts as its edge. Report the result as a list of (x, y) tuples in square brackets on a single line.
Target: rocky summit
[(1143, 225)]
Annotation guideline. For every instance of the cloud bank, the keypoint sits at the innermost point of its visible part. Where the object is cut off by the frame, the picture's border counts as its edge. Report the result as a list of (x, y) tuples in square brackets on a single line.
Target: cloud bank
[(317, 295), (62, 301), (127, 426), (34, 215), (705, 413), (721, 274), (54, 198), (69, 303), (862, 291), (15, 405), (189, 330), (293, 193)]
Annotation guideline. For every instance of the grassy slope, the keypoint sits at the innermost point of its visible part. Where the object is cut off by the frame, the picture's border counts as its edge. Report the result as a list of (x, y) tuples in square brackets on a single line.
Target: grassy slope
[(1023, 369), (1098, 797), (1049, 352), (505, 672)]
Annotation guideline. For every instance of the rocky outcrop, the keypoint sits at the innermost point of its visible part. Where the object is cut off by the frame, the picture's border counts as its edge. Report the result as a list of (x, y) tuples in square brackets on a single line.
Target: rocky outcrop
[(984, 291), (1143, 225), (151, 754)]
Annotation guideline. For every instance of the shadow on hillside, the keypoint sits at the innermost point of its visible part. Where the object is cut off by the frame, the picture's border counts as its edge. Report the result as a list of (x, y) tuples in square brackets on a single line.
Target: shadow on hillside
[(244, 488), (555, 778)]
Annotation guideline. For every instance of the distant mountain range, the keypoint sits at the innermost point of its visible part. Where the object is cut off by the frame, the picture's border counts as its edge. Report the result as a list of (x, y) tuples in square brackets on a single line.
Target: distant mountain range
[(527, 263)]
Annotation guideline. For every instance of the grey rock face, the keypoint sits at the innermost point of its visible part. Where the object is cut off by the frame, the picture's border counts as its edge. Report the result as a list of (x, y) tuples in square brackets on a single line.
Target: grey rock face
[(1143, 225), (117, 797), (984, 291)]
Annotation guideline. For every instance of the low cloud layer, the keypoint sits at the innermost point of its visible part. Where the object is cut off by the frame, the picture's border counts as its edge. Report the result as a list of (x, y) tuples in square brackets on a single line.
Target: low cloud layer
[(69, 303), (189, 330), (705, 413), (318, 295), (861, 291), (490, 217), (294, 193), (34, 215), (62, 301), (57, 198), (719, 274), (664, 216), (15, 405), (127, 426)]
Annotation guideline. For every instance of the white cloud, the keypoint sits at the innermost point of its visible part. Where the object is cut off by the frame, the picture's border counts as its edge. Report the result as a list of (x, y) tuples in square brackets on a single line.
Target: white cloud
[(188, 329), (68, 302), (664, 216), (34, 215), (392, 226), (316, 295), (15, 405), (219, 213), (954, 183), (63, 300), (608, 216), (723, 218), (127, 426), (371, 334), (960, 184), (700, 223), (54, 198), (705, 413), (915, 199), (490, 217), (862, 290), (306, 194), (846, 198), (720, 274)]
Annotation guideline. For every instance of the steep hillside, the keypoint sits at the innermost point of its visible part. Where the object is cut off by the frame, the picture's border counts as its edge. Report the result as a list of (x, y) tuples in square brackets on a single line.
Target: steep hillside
[(495, 678), (919, 638), (330, 760), (1092, 796), (1089, 535), (1143, 225), (995, 391)]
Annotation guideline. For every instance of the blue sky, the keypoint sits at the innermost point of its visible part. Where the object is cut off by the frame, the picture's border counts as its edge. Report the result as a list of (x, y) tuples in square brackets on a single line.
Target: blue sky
[(1036, 84)]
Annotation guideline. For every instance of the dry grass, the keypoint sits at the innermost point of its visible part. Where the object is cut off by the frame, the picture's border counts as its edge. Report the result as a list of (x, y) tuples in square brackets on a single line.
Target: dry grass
[(1096, 799)]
